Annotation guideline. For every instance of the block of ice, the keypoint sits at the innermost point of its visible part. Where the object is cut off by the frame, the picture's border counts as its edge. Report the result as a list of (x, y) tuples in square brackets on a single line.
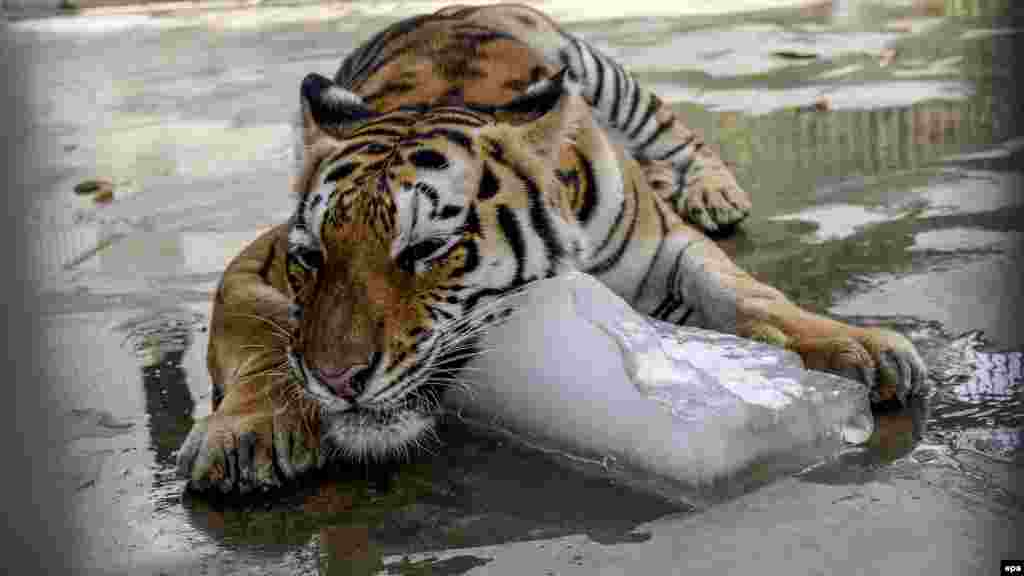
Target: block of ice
[(695, 414)]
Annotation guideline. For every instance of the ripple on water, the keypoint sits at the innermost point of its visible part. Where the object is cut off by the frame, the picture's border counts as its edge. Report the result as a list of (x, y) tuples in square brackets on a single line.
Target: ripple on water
[(979, 399)]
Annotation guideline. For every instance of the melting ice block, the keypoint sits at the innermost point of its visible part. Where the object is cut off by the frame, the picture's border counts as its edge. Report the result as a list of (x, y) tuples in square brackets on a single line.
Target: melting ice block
[(696, 414)]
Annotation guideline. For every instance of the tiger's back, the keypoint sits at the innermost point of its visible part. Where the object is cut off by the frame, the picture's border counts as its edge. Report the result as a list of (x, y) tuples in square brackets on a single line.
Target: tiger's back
[(479, 55), (466, 55), (488, 55)]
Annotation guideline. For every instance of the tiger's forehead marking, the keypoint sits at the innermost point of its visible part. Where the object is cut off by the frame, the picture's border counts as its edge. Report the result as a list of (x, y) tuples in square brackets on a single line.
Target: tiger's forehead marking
[(372, 147)]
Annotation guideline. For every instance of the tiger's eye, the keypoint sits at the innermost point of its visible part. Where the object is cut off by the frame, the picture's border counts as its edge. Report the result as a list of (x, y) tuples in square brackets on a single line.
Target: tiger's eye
[(428, 159), (340, 172), (420, 251)]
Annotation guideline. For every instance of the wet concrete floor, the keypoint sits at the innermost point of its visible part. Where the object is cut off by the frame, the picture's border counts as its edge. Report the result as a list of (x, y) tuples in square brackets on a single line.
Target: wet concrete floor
[(895, 201)]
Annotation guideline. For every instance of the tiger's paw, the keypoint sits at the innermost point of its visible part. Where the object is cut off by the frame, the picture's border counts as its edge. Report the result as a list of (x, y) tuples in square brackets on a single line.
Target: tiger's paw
[(710, 199), (714, 201), (887, 362), (243, 453)]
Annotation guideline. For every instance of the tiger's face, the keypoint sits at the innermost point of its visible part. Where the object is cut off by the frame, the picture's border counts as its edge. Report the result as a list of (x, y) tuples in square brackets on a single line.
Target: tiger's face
[(410, 229)]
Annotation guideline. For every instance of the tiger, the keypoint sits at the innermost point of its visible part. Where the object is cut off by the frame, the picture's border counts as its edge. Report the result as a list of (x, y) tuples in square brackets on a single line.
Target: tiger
[(454, 159)]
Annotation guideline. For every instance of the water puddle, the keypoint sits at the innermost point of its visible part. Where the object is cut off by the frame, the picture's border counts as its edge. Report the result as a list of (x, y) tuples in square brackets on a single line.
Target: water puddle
[(983, 33), (848, 97), (838, 221), (970, 290), (968, 436), (972, 192), (962, 239), (979, 402), (753, 49)]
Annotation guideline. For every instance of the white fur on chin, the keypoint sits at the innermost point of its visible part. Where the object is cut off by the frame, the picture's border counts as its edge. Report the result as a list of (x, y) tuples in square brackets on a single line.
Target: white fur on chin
[(358, 437)]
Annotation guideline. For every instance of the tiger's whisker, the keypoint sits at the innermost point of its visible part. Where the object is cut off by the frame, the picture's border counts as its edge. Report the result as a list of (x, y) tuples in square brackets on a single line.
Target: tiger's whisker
[(280, 331)]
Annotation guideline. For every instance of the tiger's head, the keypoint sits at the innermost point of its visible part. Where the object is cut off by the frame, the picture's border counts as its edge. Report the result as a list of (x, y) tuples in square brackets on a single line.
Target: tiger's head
[(411, 227)]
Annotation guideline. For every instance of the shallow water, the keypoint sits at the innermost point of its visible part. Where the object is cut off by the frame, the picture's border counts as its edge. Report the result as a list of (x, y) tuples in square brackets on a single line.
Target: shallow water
[(896, 206)]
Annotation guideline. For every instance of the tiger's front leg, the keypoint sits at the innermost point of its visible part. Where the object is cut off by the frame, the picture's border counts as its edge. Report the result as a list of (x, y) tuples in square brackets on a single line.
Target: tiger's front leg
[(255, 449), (262, 432), (694, 282)]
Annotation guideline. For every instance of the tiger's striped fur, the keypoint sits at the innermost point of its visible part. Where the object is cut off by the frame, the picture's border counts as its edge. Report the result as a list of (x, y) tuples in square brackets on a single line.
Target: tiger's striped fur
[(491, 54), (454, 159)]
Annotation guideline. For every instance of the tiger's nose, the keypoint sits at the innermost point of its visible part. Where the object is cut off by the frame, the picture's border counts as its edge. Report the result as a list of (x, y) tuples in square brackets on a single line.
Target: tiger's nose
[(345, 382)]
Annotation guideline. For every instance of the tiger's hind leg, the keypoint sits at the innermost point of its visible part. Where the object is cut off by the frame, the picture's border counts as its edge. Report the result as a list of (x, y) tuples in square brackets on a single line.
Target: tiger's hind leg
[(681, 168), (692, 281)]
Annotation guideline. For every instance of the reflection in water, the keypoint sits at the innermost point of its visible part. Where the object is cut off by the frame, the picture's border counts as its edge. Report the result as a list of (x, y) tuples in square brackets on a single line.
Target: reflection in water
[(348, 549), (861, 10), (791, 158), (169, 405), (863, 183), (468, 493), (160, 340), (979, 400), (896, 434), (1001, 444), (961, 7), (997, 376)]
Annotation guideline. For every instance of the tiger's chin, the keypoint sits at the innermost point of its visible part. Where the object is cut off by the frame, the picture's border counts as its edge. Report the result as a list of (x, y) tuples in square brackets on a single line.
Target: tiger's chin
[(366, 432), (378, 435)]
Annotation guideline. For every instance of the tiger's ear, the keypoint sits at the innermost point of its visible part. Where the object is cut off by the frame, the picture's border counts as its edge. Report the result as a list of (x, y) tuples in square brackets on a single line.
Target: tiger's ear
[(327, 107), (552, 110)]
